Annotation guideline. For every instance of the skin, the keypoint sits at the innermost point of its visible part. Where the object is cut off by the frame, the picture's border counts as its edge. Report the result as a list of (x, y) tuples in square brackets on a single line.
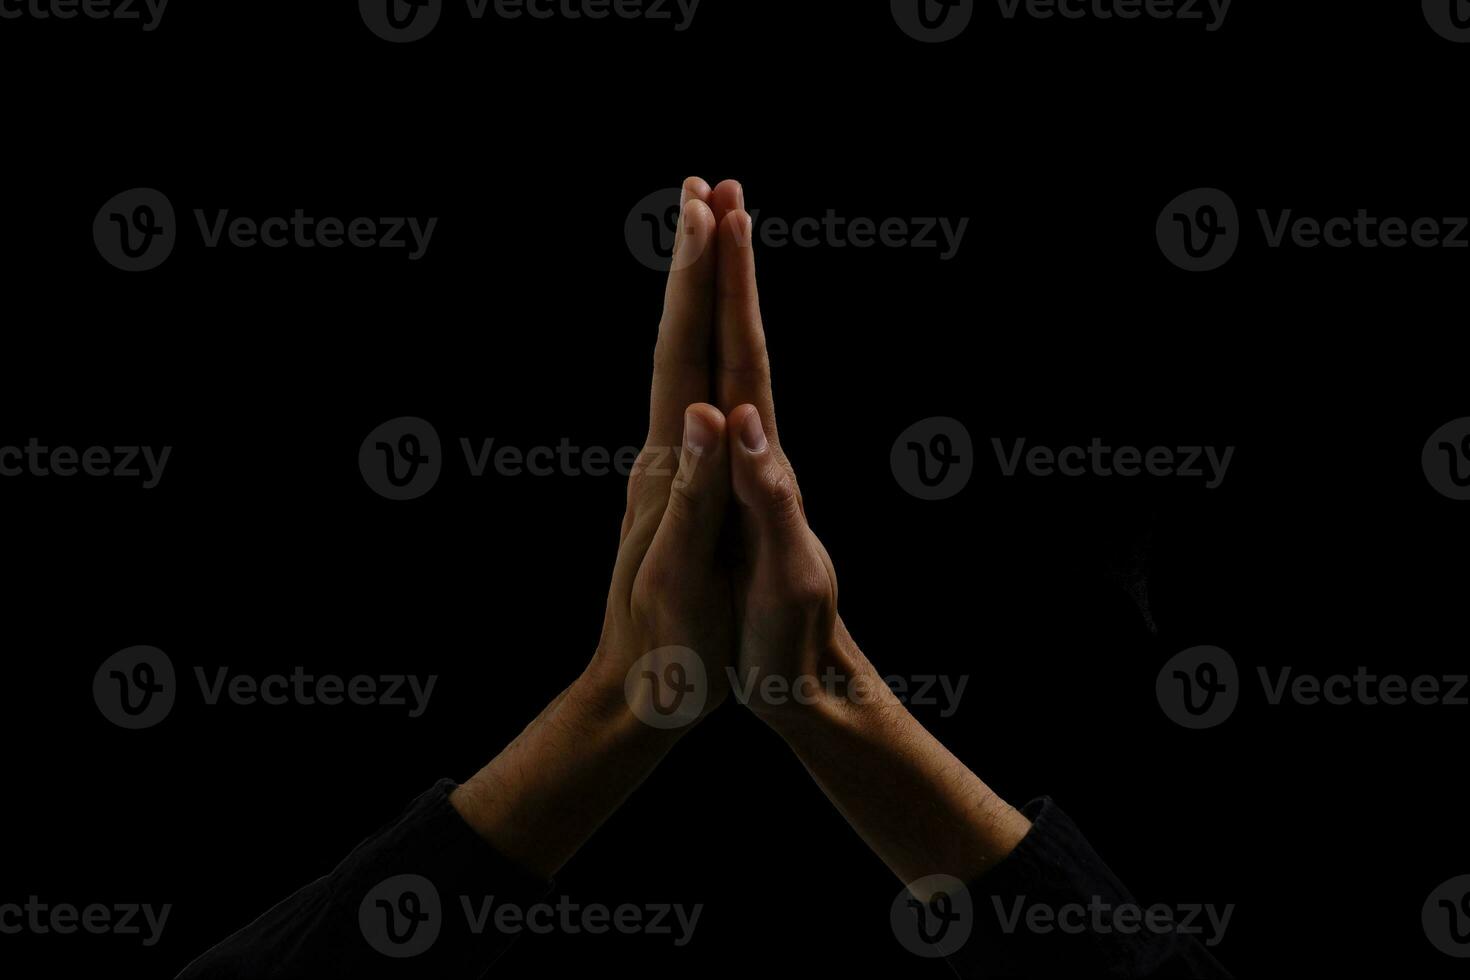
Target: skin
[(719, 558)]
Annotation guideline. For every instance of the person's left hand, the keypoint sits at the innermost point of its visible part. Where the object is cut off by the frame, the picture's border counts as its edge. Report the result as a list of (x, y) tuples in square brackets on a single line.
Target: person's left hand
[(670, 593)]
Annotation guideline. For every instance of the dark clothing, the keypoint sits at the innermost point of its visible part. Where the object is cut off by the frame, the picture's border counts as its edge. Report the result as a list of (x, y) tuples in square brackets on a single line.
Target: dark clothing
[(407, 902)]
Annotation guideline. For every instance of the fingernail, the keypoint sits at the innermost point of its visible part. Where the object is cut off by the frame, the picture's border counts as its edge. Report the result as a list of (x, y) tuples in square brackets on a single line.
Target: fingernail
[(739, 196), (753, 434), (698, 435)]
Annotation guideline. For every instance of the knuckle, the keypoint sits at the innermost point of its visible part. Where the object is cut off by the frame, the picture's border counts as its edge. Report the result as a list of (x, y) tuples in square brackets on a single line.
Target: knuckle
[(783, 497), (811, 590), (657, 580), (649, 474), (683, 506)]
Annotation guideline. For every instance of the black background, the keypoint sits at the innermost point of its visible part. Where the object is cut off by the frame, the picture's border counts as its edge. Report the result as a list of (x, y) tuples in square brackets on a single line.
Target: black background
[(529, 321)]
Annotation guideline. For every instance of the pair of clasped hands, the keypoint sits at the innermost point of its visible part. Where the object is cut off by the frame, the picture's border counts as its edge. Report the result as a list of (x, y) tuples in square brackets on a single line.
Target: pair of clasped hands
[(716, 557)]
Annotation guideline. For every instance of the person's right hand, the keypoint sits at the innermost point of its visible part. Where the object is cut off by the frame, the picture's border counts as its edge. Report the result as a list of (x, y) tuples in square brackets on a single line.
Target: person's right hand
[(786, 588)]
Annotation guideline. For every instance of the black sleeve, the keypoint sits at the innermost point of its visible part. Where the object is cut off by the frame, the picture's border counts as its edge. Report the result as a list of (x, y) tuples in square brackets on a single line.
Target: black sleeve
[(1054, 867), (407, 902)]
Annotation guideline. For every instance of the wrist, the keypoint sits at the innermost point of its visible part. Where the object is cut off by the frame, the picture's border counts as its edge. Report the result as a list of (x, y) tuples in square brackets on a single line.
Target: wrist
[(597, 705), (546, 792), (838, 688)]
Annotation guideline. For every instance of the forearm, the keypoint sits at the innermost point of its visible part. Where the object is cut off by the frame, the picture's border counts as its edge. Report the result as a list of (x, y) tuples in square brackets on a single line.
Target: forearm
[(919, 808), (546, 793), (924, 813), (503, 833)]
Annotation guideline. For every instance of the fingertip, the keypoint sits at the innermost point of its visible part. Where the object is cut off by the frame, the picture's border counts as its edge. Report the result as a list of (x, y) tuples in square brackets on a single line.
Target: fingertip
[(698, 218), (704, 427), (738, 413), (698, 188), (728, 195), (746, 422), (737, 227), (696, 232), (710, 412)]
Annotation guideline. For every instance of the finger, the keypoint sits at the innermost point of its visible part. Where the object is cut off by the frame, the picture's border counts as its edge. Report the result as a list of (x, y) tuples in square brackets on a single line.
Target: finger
[(681, 358), (699, 493), (728, 195), (693, 187), (742, 368), (764, 485)]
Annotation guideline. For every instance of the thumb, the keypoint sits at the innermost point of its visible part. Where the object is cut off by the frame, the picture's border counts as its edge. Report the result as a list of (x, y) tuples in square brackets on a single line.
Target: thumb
[(700, 490), (764, 484)]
